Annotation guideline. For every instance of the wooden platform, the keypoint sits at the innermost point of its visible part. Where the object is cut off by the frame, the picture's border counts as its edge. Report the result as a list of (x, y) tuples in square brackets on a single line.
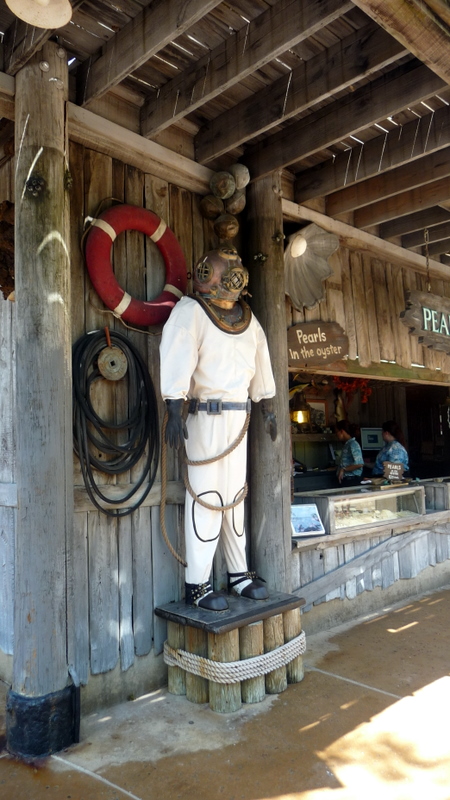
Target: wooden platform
[(242, 611)]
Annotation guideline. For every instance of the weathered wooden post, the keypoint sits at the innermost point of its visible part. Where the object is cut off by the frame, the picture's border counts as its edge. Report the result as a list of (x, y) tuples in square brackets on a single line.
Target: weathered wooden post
[(270, 462), (40, 706)]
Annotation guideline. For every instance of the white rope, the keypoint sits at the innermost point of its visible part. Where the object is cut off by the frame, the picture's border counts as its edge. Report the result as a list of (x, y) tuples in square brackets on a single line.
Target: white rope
[(235, 671)]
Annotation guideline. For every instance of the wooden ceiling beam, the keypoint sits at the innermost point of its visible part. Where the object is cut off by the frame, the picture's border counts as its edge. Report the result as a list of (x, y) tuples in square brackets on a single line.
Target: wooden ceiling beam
[(372, 103), (399, 146), (437, 248), (268, 36), (405, 203), (417, 27), (416, 173), (151, 30), (435, 234), (361, 240), (417, 221), (358, 55)]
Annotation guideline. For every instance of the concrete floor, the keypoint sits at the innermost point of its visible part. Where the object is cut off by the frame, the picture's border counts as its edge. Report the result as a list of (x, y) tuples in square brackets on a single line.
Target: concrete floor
[(369, 720)]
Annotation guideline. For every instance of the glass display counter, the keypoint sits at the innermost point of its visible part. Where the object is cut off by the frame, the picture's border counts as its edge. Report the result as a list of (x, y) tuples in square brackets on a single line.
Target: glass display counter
[(359, 507)]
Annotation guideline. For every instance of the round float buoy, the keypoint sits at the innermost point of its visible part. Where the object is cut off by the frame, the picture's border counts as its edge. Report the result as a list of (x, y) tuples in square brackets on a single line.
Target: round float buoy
[(98, 249)]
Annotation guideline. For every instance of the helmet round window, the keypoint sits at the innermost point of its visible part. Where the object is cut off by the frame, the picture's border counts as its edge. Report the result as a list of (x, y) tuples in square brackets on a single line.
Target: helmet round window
[(234, 280), (203, 271)]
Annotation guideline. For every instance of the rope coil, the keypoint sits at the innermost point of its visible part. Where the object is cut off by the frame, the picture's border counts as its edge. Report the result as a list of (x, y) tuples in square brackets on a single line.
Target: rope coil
[(235, 671)]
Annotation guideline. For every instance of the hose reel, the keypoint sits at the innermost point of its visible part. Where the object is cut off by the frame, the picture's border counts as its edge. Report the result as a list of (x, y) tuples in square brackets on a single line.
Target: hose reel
[(108, 446)]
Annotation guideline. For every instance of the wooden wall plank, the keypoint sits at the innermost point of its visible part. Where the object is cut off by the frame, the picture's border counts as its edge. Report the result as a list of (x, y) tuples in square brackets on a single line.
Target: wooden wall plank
[(409, 284), (360, 309), (7, 527), (371, 310), (331, 561), (142, 581), (126, 637), (78, 600), (8, 448), (350, 322), (385, 333), (103, 592), (165, 576)]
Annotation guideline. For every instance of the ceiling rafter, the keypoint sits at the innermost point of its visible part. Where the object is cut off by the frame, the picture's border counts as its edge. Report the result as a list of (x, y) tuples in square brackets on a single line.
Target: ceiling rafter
[(378, 100), (417, 27), (418, 172), (360, 54), (151, 30), (417, 221), (265, 37), (398, 146), (416, 239), (404, 203), (437, 248)]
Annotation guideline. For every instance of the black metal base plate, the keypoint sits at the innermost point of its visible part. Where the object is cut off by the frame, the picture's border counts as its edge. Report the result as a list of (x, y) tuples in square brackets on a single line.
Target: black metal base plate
[(242, 611)]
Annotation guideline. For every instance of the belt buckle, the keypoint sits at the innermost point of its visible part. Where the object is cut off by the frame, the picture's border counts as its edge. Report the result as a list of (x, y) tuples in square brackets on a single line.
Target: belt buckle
[(214, 406), (193, 405)]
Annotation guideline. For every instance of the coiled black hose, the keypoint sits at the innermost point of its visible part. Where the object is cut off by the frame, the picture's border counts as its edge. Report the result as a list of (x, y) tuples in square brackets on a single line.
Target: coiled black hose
[(93, 434)]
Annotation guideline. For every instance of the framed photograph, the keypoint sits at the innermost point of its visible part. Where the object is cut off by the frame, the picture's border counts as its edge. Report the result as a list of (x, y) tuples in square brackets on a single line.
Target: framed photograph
[(305, 521), (371, 438), (318, 412)]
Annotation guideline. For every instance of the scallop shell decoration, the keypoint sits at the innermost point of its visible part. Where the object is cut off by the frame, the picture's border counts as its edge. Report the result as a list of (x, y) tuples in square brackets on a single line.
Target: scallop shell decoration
[(306, 265)]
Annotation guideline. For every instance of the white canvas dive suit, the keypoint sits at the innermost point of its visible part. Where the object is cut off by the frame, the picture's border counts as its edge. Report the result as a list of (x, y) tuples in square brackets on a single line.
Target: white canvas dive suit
[(198, 360)]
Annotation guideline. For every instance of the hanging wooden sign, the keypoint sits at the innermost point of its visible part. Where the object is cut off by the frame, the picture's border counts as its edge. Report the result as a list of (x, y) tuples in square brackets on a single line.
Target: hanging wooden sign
[(428, 317), (314, 343)]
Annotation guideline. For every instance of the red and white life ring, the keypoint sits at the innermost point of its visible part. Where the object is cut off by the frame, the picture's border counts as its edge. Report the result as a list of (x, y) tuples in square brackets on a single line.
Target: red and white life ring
[(98, 261)]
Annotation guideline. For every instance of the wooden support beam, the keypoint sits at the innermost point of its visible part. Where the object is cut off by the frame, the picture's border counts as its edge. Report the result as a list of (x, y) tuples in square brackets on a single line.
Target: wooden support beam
[(416, 173), (414, 222), (156, 26), (270, 549), (417, 238), (414, 25), (360, 240), (110, 139), (335, 69), (441, 247), (44, 387), (405, 203), (268, 36), (371, 103)]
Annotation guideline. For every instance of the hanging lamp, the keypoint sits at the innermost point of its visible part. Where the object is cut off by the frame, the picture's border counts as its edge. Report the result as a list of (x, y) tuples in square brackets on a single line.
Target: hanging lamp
[(42, 13)]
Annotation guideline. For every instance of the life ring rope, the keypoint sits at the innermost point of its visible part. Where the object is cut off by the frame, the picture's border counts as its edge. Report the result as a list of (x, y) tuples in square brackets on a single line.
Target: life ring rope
[(100, 237)]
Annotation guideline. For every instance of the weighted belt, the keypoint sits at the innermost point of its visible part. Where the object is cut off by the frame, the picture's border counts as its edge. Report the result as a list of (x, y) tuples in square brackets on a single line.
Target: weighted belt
[(217, 406)]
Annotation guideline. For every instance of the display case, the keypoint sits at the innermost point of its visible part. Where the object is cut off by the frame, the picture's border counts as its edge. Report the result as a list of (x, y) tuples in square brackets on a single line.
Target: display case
[(363, 507)]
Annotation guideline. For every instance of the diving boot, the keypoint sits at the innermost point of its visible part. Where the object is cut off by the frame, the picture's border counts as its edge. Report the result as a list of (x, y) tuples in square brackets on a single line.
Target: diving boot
[(253, 588), (203, 596)]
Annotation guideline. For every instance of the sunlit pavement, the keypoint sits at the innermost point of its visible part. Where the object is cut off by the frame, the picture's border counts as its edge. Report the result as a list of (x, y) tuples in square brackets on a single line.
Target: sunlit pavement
[(370, 720)]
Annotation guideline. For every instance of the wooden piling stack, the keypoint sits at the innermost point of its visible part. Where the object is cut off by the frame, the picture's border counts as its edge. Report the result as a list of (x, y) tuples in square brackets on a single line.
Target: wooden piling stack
[(247, 630)]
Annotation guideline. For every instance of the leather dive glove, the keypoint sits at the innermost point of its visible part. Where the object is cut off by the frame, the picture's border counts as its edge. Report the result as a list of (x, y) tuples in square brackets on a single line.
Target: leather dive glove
[(270, 419), (176, 431)]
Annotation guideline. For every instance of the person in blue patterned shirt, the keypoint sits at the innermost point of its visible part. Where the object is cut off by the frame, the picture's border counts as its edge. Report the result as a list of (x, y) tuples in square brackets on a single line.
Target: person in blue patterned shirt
[(351, 463), (393, 450)]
